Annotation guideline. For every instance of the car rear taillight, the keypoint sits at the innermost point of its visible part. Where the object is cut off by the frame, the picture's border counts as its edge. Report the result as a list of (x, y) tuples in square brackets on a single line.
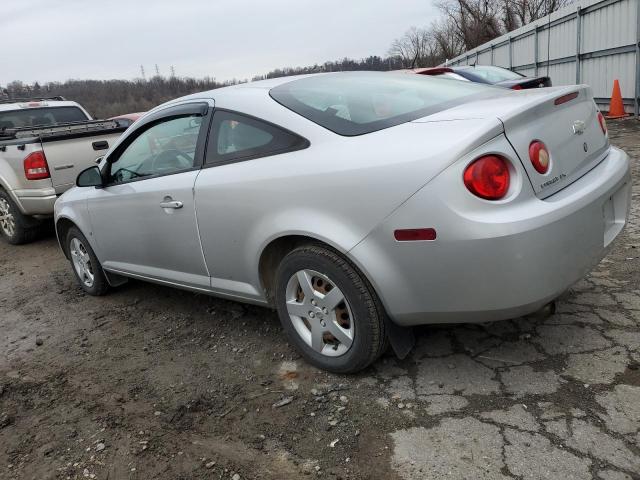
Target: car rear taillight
[(602, 122), (539, 156), (516, 87), (488, 177), (35, 166)]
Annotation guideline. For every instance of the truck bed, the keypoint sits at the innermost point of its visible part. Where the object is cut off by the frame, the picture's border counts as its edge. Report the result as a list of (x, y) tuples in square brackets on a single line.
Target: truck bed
[(69, 148)]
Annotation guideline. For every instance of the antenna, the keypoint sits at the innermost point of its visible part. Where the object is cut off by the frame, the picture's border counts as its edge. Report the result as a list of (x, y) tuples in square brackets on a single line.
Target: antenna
[(157, 71)]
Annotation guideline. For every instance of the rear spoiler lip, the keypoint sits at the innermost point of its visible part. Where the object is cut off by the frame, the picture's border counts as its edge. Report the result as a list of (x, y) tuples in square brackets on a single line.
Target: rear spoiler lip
[(527, 99)]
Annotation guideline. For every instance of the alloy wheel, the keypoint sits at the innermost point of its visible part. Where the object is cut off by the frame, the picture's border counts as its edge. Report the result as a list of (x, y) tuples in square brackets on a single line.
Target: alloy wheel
[(320, 313), (7, 220), (82, 262)]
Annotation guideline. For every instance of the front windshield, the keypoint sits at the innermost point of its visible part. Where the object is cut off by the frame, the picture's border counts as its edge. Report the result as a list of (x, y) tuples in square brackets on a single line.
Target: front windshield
[(357, 103)]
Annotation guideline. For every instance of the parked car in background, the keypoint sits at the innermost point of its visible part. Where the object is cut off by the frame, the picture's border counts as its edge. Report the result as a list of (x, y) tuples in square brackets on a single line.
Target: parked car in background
[(127, 119), (44, 143), (355, 203), (492, 75)]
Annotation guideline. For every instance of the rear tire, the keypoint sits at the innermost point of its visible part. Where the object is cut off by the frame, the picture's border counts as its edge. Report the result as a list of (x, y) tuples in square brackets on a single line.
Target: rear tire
[(328, 310), (15, 227), (85, 264)]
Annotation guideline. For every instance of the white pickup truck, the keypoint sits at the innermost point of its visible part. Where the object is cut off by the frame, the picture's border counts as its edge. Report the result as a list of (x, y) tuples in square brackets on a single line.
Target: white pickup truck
[(44, 144)]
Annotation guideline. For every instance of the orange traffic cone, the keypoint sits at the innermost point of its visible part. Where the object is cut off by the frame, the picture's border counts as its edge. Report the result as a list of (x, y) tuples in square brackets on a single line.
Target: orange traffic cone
[(616, 108)]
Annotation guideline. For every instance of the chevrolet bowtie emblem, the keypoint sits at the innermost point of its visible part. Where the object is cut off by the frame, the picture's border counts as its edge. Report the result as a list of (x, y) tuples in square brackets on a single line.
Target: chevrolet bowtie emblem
[(578, 127)]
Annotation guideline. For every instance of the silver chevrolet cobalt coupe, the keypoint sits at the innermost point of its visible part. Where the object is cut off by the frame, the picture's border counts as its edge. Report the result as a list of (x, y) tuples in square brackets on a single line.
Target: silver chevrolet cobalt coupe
[(356, 204)]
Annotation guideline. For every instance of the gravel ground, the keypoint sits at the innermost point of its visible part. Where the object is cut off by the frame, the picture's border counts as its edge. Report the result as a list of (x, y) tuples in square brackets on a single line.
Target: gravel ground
[(150, 382)]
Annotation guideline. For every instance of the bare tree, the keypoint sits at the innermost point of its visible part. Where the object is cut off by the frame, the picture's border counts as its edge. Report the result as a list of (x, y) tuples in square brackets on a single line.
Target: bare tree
[(474, 21), (414, 47), (447, 40), (522, 12)]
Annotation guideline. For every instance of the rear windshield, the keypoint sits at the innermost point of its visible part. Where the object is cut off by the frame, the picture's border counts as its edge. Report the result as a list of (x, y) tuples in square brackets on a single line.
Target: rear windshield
[(36, 117), (363, 102), (493, 74)]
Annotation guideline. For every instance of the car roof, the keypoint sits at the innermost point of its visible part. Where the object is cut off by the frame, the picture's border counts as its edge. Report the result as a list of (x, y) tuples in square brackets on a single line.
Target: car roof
[(259, 88)]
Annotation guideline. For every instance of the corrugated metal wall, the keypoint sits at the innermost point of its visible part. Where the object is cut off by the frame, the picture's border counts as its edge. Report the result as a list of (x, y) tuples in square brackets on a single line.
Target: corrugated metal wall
[(590, 41)]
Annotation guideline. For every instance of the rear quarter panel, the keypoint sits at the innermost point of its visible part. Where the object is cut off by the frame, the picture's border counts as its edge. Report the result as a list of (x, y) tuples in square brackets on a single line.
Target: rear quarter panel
[(12, 175), (337, 190)]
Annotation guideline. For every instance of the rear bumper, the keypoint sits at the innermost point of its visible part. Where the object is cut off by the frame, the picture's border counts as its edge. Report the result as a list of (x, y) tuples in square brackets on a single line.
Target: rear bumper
[(36, 201), (499, 261)]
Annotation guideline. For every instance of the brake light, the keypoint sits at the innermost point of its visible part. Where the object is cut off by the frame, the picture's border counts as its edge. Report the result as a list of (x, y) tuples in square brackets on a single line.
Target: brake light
[(488, 177), (433, 71), (539, 156), (35, 166), (565, 98), (602, 122), (516, 87)]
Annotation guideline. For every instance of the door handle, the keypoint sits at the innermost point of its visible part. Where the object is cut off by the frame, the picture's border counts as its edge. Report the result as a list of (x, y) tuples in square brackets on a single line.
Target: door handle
[(171, 204), (100, 145)]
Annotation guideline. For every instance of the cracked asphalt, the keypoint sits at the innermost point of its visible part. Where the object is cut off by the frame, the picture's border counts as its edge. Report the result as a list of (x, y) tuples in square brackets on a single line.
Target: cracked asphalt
[(150, 382)]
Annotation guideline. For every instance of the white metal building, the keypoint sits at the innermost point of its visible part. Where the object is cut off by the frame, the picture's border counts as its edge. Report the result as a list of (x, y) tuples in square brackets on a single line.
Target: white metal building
[(590, 41)]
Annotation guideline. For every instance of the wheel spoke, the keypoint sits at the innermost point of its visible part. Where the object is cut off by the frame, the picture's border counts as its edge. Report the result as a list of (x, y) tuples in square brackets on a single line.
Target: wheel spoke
[(317, 343), (305, 284), (81, 262), (332, 299), (7, 222), (297, 309), (340, 333)]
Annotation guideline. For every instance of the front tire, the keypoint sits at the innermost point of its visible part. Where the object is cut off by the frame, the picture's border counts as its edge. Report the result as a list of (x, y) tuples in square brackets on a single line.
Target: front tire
[(85, 264), (328, 310)]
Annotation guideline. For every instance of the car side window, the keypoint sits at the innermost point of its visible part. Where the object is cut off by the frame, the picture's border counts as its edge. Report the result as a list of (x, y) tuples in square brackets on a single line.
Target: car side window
[(236, 137), (168, 146)]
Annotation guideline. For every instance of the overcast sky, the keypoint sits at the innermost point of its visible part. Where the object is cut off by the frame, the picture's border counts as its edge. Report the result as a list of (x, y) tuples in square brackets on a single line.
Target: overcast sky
[(45, 40)]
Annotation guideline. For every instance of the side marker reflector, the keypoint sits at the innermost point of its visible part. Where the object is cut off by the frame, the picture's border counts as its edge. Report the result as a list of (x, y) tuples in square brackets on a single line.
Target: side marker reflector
[(415, 234)]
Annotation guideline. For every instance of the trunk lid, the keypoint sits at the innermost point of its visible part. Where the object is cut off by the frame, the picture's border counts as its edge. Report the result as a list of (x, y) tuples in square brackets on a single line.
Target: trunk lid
[(570, 130)]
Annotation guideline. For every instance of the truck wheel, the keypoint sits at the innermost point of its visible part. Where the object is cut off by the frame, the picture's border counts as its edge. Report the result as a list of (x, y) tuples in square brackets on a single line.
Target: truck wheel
[(329, 311), (15, 227), (86, 266)]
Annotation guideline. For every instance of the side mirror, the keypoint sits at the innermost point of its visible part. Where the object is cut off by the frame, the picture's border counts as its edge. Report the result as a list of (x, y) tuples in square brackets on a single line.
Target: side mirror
[(89, 177)]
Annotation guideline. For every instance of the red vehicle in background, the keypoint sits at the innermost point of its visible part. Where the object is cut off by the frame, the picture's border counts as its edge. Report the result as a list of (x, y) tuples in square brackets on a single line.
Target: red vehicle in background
[(127, 119)]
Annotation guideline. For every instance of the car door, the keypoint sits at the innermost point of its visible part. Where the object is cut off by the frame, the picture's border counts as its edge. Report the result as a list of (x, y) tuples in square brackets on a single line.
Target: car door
[(143, 219), (243, 155)]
